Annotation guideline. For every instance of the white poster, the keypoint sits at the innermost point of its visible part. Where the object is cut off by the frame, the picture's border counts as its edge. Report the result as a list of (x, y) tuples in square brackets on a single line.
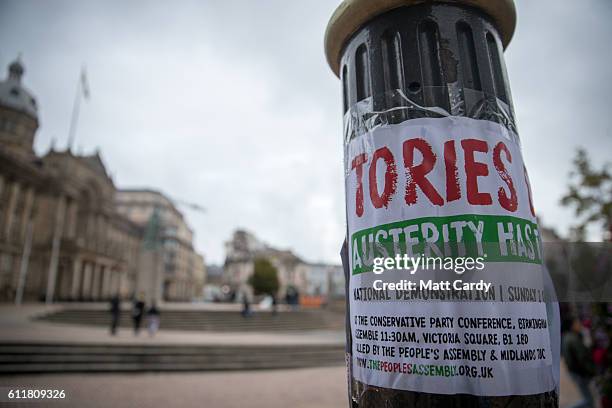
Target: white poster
[(452, 190)]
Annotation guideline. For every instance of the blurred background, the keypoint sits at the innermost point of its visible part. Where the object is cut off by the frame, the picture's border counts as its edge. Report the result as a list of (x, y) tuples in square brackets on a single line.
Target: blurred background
[(171, 192)]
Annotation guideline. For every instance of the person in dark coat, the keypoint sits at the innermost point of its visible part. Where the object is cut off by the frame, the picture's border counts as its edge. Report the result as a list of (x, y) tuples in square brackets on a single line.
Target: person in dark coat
[(274, 305), (137, 313), (246, 305), (579, 363), (115, 310)]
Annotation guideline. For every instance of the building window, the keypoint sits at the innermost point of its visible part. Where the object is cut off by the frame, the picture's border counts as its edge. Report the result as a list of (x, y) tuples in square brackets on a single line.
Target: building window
[(171, 231)]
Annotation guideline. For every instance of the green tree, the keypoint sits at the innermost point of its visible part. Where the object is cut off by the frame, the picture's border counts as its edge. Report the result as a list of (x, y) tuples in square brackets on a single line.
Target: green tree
[(265, 277), (590, 193)]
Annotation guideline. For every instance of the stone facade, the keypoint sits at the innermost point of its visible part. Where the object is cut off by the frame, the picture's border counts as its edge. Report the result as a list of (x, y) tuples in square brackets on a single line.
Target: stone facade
[(61, 234)]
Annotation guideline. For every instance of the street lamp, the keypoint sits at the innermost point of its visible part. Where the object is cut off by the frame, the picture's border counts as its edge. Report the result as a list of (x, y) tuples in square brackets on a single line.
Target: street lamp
[(433, 169)]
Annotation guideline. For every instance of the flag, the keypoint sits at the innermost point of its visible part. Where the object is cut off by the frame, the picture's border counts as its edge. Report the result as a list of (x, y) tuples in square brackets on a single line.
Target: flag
[(84, 84)]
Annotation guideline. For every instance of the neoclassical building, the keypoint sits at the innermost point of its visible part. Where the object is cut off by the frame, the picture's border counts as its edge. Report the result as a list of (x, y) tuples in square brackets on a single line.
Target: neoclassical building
[(61, 234)]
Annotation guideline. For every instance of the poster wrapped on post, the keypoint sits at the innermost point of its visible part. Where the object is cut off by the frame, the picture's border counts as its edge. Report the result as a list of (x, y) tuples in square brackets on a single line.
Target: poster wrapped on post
[(446, 277), (447, 291)]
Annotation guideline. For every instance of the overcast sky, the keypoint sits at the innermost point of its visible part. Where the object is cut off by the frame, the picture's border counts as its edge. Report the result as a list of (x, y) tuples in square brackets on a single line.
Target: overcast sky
[(230, 104)]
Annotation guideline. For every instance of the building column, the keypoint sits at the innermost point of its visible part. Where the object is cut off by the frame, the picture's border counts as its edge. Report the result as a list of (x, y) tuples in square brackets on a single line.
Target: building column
[(27, 231), (106, 282), (65, 281), (76, 278), (10, 210), (55, 248), (99, 283), (86, 287), (94, 279)]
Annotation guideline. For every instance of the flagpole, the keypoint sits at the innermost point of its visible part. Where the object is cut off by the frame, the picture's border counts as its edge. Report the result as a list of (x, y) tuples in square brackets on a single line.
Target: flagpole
[(75, 114)]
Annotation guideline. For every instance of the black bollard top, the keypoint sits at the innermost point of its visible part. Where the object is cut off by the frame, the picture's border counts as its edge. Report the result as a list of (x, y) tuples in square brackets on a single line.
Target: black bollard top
[(352, 14)]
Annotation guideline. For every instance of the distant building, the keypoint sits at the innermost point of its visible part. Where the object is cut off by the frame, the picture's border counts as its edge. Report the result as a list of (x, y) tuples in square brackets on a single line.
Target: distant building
[(324, 279), (61, 236), (183, 268), (307, 278), (240, 253), (214, 275)]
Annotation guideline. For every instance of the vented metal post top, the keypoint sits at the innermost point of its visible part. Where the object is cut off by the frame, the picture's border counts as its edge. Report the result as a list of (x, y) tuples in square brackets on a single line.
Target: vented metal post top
[(352, 14)]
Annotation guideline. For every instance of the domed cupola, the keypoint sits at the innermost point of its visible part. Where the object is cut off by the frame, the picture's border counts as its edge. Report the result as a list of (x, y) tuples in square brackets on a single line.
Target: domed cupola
[(14, 95), (18, 111)]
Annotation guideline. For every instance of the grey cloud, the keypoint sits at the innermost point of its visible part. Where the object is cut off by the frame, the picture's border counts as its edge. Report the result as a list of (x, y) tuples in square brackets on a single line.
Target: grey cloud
[(231, 104)]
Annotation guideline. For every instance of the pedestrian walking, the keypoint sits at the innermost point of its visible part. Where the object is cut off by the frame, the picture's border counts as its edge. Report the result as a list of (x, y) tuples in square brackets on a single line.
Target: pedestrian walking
[(246, 305), (579, 363), (137, 313), (274, 305), (115, 310), (153, 320)]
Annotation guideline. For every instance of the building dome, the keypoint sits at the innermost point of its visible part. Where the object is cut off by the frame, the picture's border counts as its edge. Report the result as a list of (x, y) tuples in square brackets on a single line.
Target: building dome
[(14, 95)]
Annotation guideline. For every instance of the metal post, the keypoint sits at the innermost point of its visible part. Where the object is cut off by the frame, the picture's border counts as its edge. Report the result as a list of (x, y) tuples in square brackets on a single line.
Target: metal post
[(27, 245), (55, 249), (25, 260), (74, 118), (435, 71)]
